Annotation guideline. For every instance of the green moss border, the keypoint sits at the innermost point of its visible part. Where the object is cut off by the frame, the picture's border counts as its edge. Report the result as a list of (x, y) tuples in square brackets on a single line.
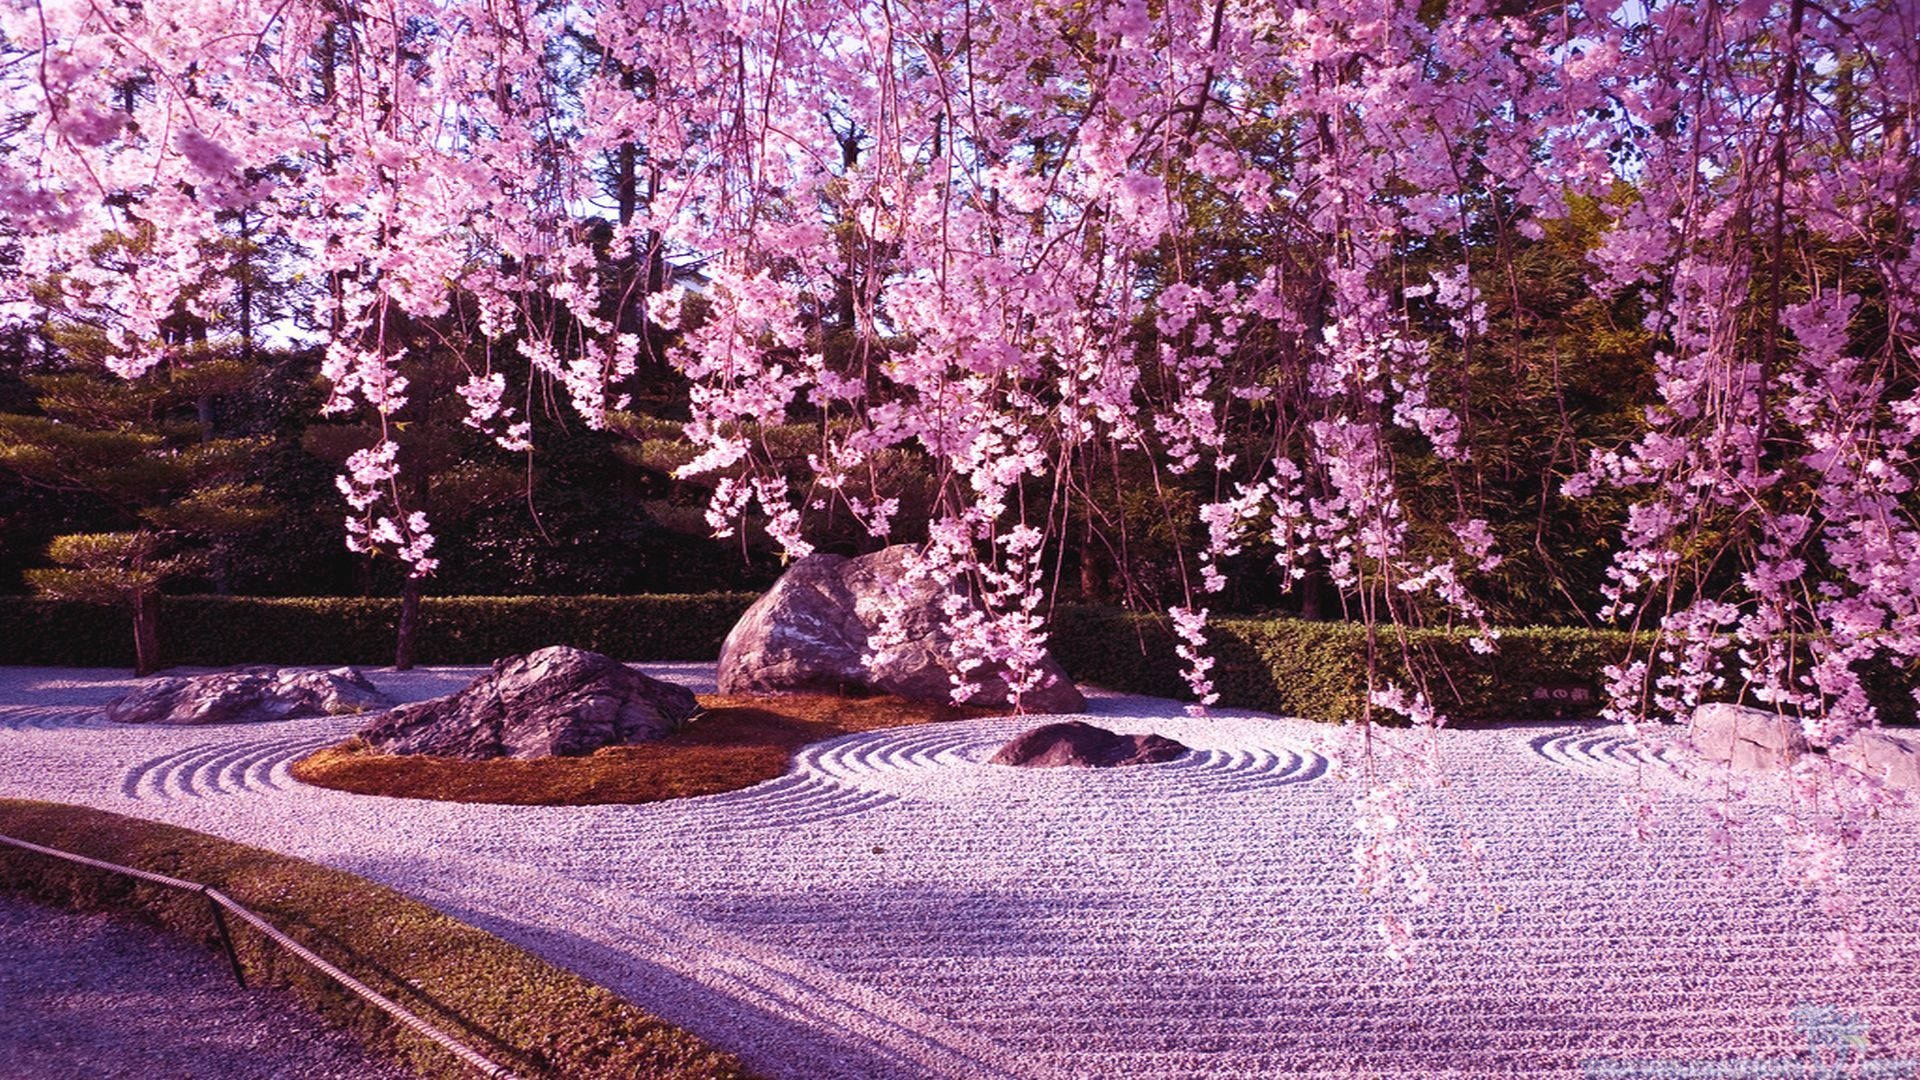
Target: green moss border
[(505, 1002)]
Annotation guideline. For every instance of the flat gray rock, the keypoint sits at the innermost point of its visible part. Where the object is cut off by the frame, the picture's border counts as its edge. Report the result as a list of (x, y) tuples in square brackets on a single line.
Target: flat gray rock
[(810, 633), (1894, 760), (555, 702), (248, 695), (1751, 740)]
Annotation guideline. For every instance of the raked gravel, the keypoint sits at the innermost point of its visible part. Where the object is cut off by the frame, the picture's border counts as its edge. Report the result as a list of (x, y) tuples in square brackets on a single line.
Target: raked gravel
[(896, 907)]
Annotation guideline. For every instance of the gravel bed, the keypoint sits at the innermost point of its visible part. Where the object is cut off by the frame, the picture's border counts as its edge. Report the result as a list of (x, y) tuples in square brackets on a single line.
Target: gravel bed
[(86, 996), (895, 906)]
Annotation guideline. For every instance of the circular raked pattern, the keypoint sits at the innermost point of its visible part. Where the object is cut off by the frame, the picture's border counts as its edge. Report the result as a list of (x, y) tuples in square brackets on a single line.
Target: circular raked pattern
[(48, 717), (1603, 752), (943, 762), (206, 770), (793, 799), (1152, 920)]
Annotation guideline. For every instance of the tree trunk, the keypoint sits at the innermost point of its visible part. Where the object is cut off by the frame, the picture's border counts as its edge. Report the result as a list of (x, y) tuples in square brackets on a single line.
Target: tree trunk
[(409, 629), (1096, 573), (146, 634), (246, 289), (1309, 587), (218, 559)]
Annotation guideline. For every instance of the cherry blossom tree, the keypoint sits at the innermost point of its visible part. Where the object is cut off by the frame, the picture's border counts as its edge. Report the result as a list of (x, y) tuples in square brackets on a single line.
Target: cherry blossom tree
[(1012, 218)]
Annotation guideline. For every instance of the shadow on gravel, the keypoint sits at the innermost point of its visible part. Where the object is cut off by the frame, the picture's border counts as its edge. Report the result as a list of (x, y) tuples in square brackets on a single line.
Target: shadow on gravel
[(778, 1045)]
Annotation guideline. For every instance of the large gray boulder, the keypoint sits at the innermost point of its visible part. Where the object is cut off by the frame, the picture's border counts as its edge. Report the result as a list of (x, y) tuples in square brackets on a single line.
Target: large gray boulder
[(809, 632), (248, 695), (1751, 740), (1076, 743), (556, 702), (1894, 760)]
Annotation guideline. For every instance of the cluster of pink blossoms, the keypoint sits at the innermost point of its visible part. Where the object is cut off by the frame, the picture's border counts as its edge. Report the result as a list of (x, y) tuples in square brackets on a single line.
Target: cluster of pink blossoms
[(1001, 198), (367, 484)]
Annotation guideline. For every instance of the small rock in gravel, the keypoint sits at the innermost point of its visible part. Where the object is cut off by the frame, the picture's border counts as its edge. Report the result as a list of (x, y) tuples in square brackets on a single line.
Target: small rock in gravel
[(248, 695), (557, 701), (1075, 742)]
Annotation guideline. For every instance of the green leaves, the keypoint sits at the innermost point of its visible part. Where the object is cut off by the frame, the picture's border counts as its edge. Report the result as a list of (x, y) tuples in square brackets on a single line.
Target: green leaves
[(216, 510), (106, 568)]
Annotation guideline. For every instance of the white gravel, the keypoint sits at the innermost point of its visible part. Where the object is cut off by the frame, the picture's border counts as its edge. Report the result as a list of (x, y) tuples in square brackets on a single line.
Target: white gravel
[(92, 997), (896, 907)]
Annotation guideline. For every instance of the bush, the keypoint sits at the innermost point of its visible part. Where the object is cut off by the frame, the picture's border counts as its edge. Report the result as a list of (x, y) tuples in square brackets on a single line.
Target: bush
[(1289, 666), (218, 630), (65, 633), (1318, 670)]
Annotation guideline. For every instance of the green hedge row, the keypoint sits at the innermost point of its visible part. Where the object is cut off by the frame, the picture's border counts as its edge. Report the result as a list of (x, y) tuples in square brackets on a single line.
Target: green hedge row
[(214, 631), (1318, 670), (1286, 666)]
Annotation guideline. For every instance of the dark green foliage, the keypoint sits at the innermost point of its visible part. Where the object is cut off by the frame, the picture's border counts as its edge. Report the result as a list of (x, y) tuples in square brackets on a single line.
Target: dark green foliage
[(38, 631), (214, 631), (1288, 666), (1318, 670)]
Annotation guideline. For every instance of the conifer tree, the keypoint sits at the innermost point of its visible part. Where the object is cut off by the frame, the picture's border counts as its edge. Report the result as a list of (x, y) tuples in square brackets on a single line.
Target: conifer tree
[(148, 450)]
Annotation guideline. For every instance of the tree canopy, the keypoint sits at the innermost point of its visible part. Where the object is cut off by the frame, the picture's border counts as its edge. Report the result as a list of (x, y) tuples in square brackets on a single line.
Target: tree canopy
[(1389, 296)]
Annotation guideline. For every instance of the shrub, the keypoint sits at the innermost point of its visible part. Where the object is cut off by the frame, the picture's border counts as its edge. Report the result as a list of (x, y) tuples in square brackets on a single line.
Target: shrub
[(216, 630), (1290, 666), (1318, 670)]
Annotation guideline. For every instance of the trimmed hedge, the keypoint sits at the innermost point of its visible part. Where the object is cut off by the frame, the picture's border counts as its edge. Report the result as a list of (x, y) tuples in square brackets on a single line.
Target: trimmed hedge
[(220, 630), (1318, 670), (1288, 666)]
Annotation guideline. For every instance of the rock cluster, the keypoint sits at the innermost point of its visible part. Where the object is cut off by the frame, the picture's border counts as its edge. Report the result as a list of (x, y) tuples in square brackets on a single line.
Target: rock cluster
[(810, 633), (1075, 742), (557, 701), (248, 695)]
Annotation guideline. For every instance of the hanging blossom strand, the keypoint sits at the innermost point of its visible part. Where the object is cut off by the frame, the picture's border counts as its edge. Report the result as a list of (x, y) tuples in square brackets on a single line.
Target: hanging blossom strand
[(995, 209)]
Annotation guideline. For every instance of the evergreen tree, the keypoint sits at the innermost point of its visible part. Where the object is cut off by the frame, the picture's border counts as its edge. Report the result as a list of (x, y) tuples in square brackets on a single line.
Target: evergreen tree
[(146, 449), (123, 568)]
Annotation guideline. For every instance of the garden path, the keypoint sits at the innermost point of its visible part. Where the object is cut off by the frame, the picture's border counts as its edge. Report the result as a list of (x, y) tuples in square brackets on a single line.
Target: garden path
[(100, 997)]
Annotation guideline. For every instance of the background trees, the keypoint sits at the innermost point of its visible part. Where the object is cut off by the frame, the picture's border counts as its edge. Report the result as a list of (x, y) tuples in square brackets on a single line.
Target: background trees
[(1418, 313), (140, 456)]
